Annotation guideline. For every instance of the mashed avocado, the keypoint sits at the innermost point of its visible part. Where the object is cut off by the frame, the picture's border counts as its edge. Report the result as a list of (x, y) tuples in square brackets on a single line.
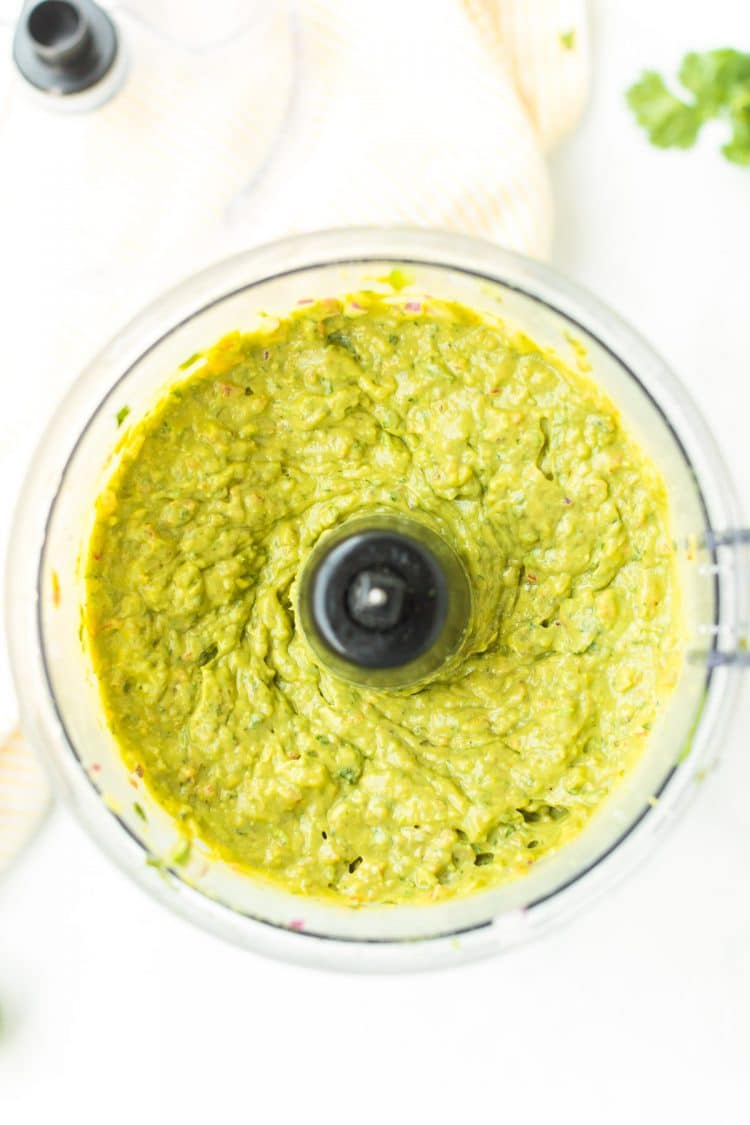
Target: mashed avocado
[(212, 691)]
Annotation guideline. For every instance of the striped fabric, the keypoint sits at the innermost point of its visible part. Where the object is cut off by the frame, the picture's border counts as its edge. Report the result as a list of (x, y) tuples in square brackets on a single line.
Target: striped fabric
[(23, 796), (435, 113)]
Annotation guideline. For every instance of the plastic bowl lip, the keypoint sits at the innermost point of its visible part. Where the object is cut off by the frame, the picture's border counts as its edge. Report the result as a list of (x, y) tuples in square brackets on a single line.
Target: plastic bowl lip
[(380, 246)]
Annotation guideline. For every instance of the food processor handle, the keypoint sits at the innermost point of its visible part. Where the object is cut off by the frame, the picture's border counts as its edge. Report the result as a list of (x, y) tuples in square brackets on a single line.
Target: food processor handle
[(731, 642)]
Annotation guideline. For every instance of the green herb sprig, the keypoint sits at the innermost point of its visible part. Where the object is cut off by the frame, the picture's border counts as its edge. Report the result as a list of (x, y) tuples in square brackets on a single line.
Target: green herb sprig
[(717, 87)]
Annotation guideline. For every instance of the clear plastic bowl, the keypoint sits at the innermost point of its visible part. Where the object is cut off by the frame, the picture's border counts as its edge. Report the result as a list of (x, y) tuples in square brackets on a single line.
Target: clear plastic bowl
[(60, 708)]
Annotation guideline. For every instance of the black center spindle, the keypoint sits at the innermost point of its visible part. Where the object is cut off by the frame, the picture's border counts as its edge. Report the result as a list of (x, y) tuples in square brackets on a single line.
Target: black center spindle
[(376, 599), (384, 597)]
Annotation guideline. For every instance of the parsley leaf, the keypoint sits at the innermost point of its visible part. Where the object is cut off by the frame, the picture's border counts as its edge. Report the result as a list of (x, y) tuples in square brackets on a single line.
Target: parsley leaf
[(719, 82), (122, 414)]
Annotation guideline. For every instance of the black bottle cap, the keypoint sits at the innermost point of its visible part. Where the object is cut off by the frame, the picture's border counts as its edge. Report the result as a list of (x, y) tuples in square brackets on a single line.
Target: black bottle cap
[(63, 47)]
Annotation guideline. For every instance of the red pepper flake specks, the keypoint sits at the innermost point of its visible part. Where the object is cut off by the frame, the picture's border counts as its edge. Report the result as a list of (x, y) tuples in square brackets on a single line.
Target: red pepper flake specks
[(96, 767), (97, 556), (413, 306), (266, 353), (568, 500), (305, 301), (139, 770), (356, 305), (296, 924), (228, 390), (531, 579)]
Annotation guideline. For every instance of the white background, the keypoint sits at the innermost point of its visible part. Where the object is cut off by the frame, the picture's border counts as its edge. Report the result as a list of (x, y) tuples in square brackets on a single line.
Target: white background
[(639, 1011)]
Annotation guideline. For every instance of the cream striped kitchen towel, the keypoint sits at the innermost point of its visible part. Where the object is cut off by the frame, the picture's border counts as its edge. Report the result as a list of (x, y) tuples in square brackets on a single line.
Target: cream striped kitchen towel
[(314, 114), (23, 795), (431, 112)]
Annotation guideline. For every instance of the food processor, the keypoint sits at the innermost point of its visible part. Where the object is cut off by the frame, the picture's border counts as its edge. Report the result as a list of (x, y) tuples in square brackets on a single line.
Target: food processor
[(353, 591)]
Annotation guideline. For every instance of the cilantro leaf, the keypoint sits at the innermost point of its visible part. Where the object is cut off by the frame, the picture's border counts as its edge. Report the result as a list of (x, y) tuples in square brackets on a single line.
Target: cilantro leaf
[(719, 83), (711, 75), (737, 148), (669, 122)]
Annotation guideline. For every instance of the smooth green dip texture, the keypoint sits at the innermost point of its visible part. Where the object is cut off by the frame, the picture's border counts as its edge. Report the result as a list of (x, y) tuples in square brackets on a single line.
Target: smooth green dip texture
[(210, 688)]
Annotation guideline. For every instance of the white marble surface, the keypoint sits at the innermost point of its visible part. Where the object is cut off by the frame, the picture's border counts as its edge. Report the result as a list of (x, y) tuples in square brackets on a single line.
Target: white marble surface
[(639, 1011)]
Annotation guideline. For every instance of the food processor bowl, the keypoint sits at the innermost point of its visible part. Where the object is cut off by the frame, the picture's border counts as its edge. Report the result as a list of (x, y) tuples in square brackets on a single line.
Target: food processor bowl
[(58, 694)]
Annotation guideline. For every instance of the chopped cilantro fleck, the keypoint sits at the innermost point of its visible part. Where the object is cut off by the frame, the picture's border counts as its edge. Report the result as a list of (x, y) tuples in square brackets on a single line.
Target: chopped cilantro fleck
[(207, 655), (342, 340), (568, 39), (190, 361), (182, 855)]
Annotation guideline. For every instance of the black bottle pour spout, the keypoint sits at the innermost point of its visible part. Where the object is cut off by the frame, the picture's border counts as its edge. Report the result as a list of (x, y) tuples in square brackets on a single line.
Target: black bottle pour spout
[(64, 47), (384, 601)]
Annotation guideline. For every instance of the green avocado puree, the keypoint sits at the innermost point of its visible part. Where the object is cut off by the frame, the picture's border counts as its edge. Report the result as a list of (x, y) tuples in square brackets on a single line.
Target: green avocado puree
[(209, 686)]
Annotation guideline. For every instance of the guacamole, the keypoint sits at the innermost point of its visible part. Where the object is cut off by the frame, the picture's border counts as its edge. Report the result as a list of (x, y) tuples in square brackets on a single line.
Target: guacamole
[(246, 737)]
